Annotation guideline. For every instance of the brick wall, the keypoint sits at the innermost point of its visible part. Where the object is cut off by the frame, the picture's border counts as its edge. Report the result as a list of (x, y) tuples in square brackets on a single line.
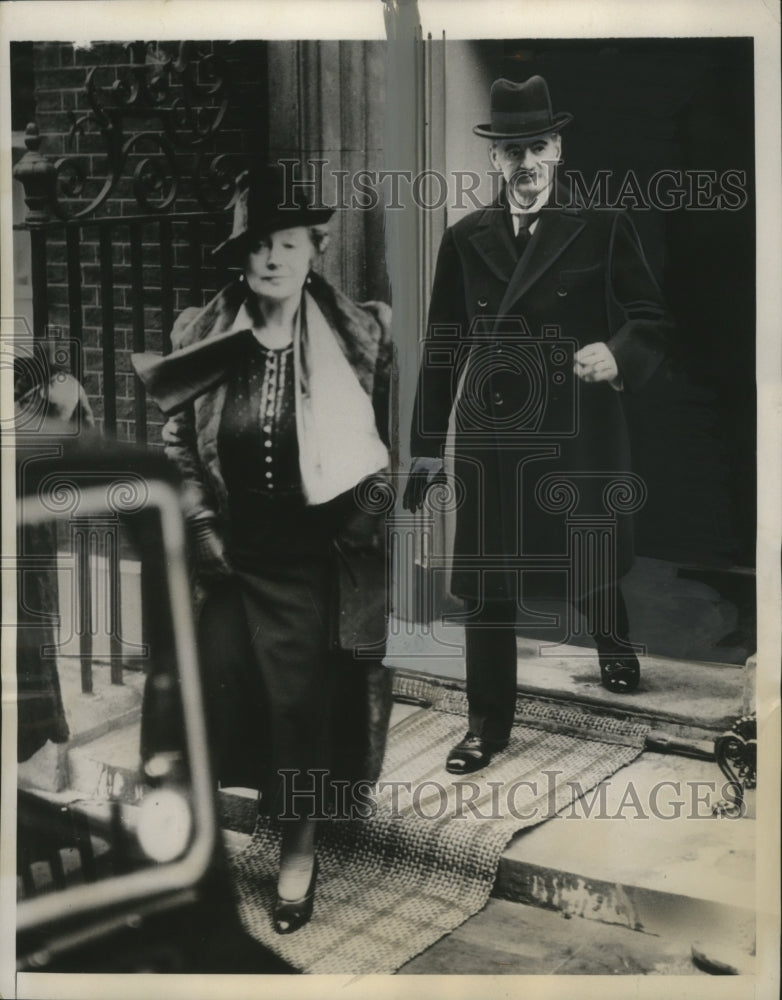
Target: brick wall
[(285, 98), (60, 75)]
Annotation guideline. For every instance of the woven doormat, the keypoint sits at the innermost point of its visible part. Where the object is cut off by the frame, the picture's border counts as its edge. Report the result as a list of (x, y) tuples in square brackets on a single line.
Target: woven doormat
[(391, 885)]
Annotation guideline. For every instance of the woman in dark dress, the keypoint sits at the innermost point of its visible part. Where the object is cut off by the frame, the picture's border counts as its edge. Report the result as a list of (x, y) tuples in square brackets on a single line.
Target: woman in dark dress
[(278, 391)]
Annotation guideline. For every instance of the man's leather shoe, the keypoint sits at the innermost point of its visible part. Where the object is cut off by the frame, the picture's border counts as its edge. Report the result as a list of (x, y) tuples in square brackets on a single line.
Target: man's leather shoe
[(620, 674), (473, 753)]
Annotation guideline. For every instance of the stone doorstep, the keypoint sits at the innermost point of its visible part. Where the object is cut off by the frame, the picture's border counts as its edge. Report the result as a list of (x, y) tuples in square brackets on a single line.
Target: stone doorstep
[(673, 694), (648, 829), (661, 914), (709, 927), (685, 879), (621, 865), (692, 926), (682, 697), (657, 876), (509, 937), (688, 889)]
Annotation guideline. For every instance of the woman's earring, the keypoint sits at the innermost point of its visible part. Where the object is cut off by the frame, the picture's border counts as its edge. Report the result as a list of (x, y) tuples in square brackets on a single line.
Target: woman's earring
[(308, 280)]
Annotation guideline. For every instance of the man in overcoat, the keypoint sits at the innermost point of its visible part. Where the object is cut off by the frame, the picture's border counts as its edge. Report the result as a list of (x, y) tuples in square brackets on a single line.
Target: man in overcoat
[(543, 315)]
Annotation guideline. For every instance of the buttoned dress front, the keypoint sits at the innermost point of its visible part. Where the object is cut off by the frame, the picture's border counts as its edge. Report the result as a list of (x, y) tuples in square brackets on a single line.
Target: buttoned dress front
[(286, 695)]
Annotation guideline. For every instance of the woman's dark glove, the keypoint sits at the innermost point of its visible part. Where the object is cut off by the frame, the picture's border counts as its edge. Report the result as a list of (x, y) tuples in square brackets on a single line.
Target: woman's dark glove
[(424, 472), (208, 548)]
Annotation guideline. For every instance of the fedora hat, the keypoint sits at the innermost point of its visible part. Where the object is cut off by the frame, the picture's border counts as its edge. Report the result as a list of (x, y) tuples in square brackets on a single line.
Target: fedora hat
[(521, 111), (266, 200)]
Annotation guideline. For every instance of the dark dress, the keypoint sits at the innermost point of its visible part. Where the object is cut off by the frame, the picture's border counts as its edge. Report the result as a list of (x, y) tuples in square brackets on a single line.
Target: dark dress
[(273, 670)]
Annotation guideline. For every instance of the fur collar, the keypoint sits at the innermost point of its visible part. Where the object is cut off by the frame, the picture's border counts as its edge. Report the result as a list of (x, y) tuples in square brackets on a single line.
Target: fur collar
[(359, 328)]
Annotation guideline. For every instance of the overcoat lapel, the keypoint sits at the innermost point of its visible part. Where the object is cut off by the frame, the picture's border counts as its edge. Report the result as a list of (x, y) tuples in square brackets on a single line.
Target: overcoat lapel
[(555, 231), (491, 240), (493, 243), (358, 329), (214, 319)]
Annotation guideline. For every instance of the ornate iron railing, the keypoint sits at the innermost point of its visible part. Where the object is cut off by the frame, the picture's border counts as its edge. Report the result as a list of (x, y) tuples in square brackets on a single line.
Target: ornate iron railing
[(124, 180), (162, 90), (117, 224)]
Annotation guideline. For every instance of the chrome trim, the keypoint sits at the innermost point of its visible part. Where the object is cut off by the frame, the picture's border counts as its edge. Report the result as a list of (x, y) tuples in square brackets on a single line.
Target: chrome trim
[(138, 887)]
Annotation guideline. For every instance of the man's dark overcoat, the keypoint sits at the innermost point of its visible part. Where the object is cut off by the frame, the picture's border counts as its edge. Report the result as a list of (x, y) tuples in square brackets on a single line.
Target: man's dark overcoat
[(502, 330)]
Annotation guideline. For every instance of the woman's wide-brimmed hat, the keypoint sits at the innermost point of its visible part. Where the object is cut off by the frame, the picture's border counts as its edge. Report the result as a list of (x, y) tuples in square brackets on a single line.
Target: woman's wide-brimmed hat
[(521, 111), (267, 199)]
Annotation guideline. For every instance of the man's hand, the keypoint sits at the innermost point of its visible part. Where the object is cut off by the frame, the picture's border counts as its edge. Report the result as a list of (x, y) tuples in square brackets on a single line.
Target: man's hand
[(209, 549), (423, 473), (595, 363)]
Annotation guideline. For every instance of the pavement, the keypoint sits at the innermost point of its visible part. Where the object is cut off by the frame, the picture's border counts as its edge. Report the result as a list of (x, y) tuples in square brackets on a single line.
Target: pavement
[(513, 939)]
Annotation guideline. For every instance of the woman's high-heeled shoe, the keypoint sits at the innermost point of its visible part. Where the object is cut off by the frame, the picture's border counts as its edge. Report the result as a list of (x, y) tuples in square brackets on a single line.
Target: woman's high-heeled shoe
[(291, 914), (620, 674)]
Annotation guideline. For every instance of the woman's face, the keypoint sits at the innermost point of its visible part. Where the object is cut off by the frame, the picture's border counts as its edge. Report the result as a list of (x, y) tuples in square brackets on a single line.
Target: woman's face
[(278, 264)]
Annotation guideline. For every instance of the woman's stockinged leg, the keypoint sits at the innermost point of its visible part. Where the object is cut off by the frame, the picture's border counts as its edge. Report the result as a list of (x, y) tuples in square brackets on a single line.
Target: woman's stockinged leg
[(297, 856), (286, 609), (298, 874)]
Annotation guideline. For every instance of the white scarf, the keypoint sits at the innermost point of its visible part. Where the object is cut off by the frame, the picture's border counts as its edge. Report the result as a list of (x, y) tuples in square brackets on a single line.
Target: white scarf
[(335, 422)]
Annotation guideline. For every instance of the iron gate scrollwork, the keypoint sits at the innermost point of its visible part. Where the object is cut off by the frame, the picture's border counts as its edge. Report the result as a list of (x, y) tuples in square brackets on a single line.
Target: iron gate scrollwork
[(190, 118), (155, 88), (736, 753), (142, 169)]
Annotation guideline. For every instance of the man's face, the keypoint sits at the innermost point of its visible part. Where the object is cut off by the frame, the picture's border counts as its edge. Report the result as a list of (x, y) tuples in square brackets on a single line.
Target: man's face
[(527, 165)]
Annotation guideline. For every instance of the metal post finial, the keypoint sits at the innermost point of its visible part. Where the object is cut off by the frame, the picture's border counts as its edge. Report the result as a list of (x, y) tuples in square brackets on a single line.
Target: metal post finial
[(36, 173)]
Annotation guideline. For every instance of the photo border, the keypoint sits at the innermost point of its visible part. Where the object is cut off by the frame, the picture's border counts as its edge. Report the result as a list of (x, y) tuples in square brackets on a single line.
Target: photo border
[(464, 19)]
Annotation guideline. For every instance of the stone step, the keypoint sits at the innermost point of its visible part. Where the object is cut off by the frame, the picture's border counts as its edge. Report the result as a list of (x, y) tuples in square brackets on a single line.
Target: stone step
[(621, 865), (642, 852), (684, 698), (512, 938), (625, 855), (108, 766)]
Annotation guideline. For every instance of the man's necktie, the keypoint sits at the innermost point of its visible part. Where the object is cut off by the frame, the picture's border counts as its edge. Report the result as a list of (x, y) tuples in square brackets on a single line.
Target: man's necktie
[(523, 236)]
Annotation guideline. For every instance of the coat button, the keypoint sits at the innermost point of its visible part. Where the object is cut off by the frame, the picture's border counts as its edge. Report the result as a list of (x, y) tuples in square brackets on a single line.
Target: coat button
[(482, 303), (497, 398), (562, 292)]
